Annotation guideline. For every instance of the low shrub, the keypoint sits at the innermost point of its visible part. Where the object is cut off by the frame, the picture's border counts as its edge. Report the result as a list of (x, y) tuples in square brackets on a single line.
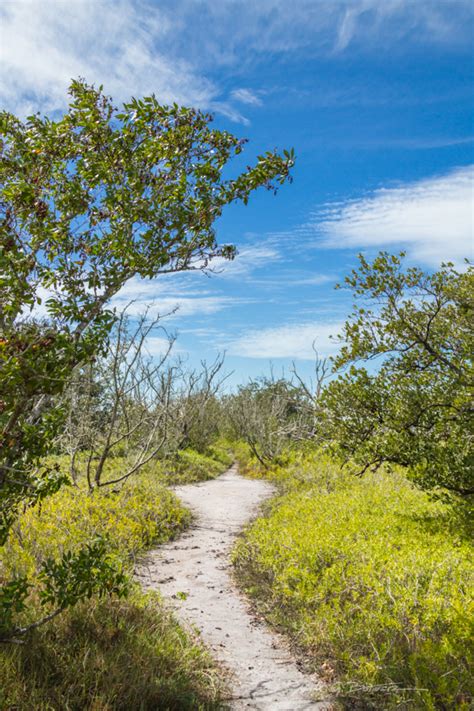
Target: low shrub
[(222, 451), (141, 513), (189, 466), (106, 654), (371, 578)]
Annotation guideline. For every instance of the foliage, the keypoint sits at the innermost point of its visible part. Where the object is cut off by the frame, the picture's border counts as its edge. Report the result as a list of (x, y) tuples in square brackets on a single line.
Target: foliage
[(63, 583), (188, 466), (88, 202), (69, 580), (371, 578), (110, 654), (221, 450), (416, 408), (268, 414)]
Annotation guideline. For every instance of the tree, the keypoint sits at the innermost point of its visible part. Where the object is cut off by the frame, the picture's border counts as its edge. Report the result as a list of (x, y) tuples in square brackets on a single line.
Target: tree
[(87, 202), (414, 407), (130, 405), (121, 404), (270, 414), (198, 408)]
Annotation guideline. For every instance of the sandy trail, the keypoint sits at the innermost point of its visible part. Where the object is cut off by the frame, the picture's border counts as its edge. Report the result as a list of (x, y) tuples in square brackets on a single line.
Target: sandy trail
[(194, 573)]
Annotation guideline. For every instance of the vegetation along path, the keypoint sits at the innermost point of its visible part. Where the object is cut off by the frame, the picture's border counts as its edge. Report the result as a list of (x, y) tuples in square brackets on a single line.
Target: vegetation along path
[(195, 572)]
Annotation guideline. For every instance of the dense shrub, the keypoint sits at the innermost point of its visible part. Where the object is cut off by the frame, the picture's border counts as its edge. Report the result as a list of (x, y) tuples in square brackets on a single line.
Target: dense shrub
[(222, 451), (141, 513), (189, 466), (371, 578)]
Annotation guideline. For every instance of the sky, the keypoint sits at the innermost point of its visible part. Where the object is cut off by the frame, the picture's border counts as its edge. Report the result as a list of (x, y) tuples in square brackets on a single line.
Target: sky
[(375, 96)]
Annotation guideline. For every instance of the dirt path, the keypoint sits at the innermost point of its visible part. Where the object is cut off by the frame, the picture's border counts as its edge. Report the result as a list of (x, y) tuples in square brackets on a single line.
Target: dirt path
[(194, 572)]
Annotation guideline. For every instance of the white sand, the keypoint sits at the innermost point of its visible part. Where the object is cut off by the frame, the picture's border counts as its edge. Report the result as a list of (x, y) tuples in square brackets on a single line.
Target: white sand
[(263, 673)]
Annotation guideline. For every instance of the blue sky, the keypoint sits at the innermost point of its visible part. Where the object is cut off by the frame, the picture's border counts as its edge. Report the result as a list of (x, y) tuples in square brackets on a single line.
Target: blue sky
[(375, 96)]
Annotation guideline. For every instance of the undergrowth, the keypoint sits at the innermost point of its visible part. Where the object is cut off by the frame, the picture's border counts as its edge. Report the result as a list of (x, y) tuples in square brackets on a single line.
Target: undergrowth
[(371, 579), (110, 654), (189, 466), (107, 654)]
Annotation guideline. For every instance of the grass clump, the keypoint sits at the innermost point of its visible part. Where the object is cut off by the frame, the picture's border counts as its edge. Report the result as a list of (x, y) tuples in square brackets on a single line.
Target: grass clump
[(371, 578), (110, 654)]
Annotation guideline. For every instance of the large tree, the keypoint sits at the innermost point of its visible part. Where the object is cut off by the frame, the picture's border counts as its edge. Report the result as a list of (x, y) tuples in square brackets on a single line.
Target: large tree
[(87, 202), (413, 406)]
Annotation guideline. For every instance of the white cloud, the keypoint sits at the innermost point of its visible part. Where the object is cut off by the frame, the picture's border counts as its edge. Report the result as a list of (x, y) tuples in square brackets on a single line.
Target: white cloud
[(157, 346), (293, 341), (246, 96), (432, 219), (316, 280), (171, 48), (227, 33), (45, 44), (164, 297), (185, 305)]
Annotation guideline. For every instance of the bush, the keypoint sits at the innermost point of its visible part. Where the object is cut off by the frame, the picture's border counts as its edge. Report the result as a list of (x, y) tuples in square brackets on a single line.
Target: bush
[(140, 514), (104, 654), (371, 578), (190, 466), (221, 451)]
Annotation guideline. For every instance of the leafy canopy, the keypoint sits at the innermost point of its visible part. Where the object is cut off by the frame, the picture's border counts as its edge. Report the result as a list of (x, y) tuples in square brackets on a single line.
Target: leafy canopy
[(87, 202), (416, 408)]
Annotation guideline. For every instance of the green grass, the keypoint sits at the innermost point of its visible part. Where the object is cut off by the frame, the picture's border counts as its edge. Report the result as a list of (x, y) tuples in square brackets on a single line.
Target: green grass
[(184, 467), (190, 466), (121, 655), (143, 512), (108, 654), (371, 579)]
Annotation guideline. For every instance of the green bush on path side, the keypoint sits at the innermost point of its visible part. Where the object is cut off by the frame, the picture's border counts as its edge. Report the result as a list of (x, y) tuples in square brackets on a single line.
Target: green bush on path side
[(372, 580), (106, 654)]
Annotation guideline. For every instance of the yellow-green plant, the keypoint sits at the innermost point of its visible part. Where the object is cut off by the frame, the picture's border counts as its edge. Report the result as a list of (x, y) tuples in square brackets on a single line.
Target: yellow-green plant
[(46, 537), (372, 579)]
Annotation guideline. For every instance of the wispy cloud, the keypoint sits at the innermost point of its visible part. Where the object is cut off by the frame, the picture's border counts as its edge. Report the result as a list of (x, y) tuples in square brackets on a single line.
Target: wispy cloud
[(115, 42), (316, 280), (157, 346), (173, 49), (169, 297), (431, 218), (246, 96), (239, 30), (293, 341)]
